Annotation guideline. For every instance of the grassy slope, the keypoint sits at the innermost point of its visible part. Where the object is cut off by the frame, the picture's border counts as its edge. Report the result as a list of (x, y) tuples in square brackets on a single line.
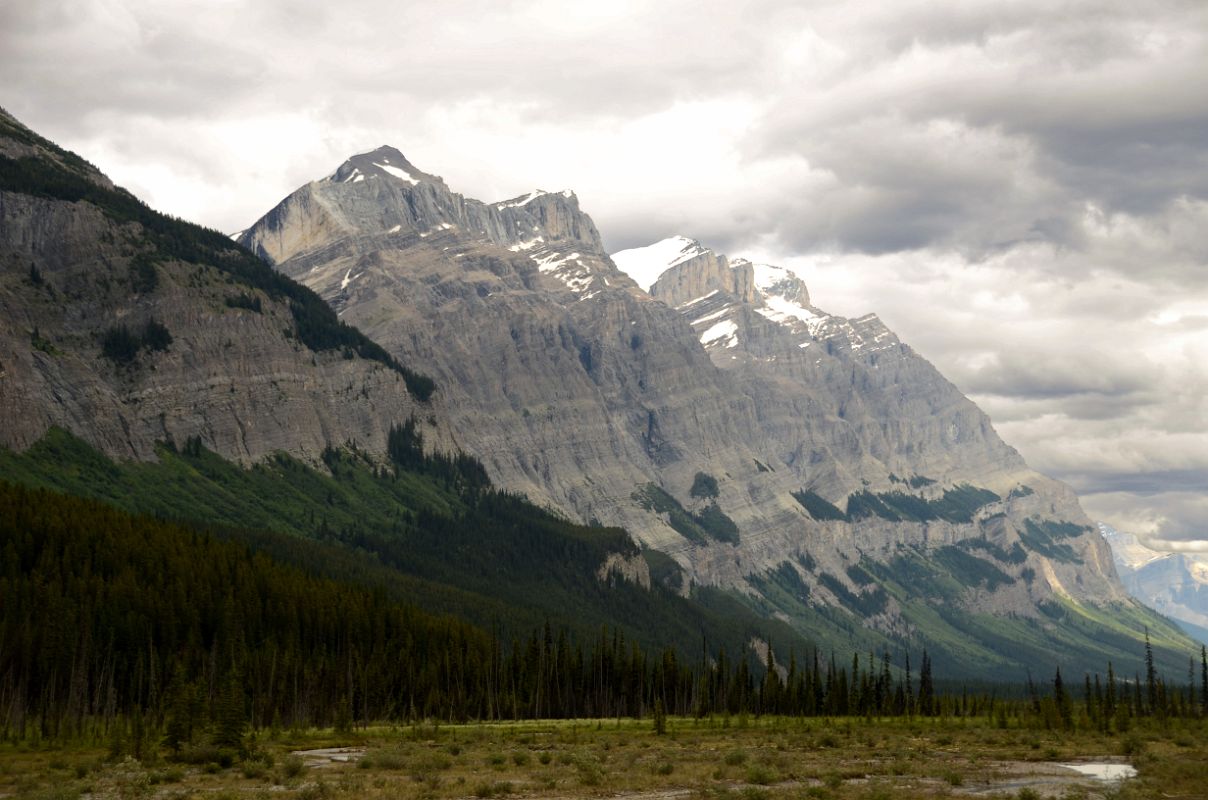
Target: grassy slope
[(927, 584)]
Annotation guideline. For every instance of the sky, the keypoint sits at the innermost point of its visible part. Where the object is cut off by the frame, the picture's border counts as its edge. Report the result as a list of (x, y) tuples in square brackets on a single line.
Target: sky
[(1019, 189)]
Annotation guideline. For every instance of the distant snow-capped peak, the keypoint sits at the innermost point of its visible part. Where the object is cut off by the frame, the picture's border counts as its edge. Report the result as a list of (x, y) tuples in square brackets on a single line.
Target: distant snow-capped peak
[(1128, 549)]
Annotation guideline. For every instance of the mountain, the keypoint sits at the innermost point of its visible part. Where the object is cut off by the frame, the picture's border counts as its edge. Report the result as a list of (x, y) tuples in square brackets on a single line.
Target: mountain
[(814, 467), (129, 328), (1175, 584), (165, 370)]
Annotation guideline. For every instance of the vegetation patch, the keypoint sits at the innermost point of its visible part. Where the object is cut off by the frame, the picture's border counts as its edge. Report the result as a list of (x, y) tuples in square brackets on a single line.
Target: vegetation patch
[(959, 504), (664, 570), (819, 507), (1016, 555), (865, 604), (971, 570), (703, 485), (914, 481), (427, 535), (246, 301), (122, 346), (708, 524), (1045, 537), (783, 586)]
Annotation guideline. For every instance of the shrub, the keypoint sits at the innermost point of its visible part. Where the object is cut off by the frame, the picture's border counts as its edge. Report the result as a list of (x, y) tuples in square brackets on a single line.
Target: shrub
[(704, 485), (292, 766), (122, 346), (762, 775), (119, 345)]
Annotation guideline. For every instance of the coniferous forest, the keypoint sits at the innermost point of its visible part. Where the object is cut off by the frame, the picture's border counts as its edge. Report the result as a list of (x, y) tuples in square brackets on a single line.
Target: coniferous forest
[(118, 619)]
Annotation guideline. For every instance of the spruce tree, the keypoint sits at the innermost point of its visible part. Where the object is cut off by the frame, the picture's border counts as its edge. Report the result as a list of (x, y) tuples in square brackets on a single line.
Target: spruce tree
[(1151, 676), (230, 716), (1062, 700), (1204, 680), (926, 688)]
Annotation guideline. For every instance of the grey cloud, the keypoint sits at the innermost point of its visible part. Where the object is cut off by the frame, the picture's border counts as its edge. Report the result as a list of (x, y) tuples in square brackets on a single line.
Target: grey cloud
[(1173, 521), (1102, 108), (1045, 375), (1144, 484)]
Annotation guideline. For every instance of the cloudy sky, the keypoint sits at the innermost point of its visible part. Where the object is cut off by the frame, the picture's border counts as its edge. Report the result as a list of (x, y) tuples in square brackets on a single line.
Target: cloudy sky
[(1020, 189)]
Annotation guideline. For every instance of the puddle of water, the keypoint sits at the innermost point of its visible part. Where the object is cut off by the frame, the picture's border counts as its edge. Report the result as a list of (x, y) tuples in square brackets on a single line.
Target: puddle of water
[(1103, 771)]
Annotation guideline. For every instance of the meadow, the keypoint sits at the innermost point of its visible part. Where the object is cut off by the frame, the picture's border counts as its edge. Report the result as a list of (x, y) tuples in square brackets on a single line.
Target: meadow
[(715, 758)]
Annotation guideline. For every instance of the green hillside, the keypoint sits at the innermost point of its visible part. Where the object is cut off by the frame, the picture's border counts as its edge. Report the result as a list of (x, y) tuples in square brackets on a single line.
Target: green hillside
[(431, 533)]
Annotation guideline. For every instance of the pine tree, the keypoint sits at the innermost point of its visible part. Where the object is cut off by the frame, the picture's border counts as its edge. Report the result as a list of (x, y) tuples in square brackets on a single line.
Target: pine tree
[(182, 715), (926, 688), (230, 716), (1151, 676), (1062, 700), (660, 717), (1110, 698), (1204, 680)]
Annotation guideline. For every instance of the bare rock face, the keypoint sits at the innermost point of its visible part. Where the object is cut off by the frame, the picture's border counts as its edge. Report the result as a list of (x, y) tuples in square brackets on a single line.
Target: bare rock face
[(234, 374), (821, 443)]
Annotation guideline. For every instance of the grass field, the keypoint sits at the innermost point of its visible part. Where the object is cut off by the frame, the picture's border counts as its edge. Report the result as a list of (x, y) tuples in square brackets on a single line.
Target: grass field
[(712, 759)]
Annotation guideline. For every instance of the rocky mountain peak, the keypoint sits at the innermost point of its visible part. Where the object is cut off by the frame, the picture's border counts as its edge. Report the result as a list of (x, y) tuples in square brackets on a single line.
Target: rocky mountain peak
[(646, 264), (385, 162), (381, 193), (777, 281)]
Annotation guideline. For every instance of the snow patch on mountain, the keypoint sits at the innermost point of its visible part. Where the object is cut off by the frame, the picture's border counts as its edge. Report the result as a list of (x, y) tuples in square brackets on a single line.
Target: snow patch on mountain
[(724, 333), (646, 264), (401, 174), (777, 309), (517, 202)]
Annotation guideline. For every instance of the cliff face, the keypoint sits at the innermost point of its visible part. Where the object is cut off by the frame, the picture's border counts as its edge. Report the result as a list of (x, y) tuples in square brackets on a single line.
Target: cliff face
[(855, 412), (814, 464), (82, 260), (569, 383)]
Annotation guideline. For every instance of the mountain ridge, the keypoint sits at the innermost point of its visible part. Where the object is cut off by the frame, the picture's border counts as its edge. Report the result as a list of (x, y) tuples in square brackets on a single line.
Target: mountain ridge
[(578, 388)]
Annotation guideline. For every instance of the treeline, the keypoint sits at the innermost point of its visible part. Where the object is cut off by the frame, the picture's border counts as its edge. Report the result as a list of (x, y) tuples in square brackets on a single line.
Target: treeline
[(430, 534), (108, 614), (110, 617)]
